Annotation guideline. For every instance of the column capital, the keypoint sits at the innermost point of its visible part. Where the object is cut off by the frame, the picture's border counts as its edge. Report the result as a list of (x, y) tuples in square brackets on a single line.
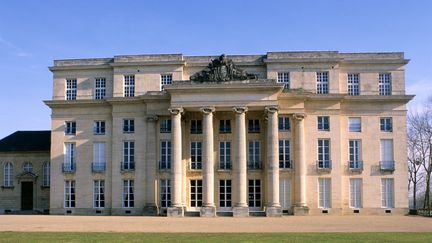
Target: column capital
[(152, 118), (299, 116), (271, 109), (176, 110), (207, 109), (240, 109)]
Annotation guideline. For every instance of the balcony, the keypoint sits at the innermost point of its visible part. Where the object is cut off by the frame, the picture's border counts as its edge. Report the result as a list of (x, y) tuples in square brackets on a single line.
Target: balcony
[(68, 167), (254, 165), (324, 165), (286, 164), (355, 166), (127, 166), (225, 165), (225, 129), (254, 129), (164, 165), (387, 166), (98, 167)]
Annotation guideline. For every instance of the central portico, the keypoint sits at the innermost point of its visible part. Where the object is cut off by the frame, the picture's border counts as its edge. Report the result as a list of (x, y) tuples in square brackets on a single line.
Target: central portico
[(205, 101)]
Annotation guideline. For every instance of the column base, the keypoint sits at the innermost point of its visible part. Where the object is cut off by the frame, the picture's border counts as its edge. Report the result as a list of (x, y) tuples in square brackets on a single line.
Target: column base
[(301, 210), (150, 210), (208, 212), (274, 211), (175, 212), (240, 212)]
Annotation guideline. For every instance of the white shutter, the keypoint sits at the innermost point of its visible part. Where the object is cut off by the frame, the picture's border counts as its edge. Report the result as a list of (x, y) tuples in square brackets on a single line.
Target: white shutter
[(324, 192), (355, 193), (386, 150), (285, 193)]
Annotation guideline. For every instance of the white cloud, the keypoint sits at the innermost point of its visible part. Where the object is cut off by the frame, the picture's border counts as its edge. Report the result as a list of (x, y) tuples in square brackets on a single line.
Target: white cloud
[(422, 89), (16, 49)]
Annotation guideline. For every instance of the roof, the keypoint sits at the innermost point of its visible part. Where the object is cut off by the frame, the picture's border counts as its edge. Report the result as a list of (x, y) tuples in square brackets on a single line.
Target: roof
[(21, 141)]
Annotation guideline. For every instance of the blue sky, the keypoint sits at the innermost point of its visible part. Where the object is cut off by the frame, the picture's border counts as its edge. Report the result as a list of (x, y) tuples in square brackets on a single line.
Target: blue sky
[(33, 33)]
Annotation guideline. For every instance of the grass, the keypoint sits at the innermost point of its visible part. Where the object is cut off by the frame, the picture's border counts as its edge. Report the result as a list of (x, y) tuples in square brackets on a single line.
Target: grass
[(212, 237)]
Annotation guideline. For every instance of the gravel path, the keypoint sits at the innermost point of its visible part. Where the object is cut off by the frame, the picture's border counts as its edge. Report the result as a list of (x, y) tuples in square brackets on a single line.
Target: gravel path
[(221, 224)]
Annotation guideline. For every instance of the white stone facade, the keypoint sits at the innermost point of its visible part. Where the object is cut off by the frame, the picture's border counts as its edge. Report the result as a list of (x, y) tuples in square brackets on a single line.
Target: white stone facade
[(180, 136)]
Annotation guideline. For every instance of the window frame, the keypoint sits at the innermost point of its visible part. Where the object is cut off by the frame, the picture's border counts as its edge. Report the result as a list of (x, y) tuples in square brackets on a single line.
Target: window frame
[(196, 155), (129, 85), (356, 190), (322, 82), (100, 88), (46, 173), (71, 89), (254, 126), (353, 84), (165, 193), (8, 174), (323, 123), (128, 194), (99, 194), (165, 154), (165, 125), (284, 77), (354, 124), (385, 84), (70, 194), (70, 128), (196, 126), (128, 125), (225, 155), (254, 154), (225, 126), (284, 154), (386, 124), (387, 193), (165, 79), (99, 127), (324, 193), (284, 123)]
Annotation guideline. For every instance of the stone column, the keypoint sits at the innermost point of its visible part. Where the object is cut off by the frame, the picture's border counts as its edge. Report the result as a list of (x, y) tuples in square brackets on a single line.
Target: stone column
[(176, 209), (208, 209), (240, 169), (150, 207), (301, 207), (273, 204)]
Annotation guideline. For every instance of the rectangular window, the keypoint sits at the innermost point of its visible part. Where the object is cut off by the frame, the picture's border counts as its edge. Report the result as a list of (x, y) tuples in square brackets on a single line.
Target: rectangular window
[(284, 123), (195, 193), (284, 154), (387, 193), (165, 126), (99, 127), (353, 84), (165, 155), (99, 161), (253, 126), (8, 175), (165, 193), (128, 155), (355, 193), (129, 85), (70, 128), (99, 194), (354, 124), (386, 124), (324, 154), (69, 159), (46, 174), (225, 126), (354, 154), (254, 194), (71, 89), (254, 155), (196, 155), (284, 78), (128, 125), (385, 84), (225, 193), (128, 193), (324, 193), (100, 88), (224, 155), (323, 123), (165, 80), (69, 196), (322, 82), (196, 126)]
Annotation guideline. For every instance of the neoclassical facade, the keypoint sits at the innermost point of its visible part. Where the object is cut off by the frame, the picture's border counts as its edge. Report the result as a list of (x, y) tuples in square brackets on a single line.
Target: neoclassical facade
[(303, 133)]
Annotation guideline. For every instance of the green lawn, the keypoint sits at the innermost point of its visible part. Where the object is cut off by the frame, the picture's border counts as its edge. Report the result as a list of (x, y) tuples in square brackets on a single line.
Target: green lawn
[(213, 237)]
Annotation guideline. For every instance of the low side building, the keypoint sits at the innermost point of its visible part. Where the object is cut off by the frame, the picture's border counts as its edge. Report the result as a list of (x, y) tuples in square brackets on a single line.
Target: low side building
[(25, 172)]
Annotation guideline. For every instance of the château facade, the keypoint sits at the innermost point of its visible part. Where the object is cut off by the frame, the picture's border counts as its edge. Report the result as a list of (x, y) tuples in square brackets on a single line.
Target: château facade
[(302, 133)]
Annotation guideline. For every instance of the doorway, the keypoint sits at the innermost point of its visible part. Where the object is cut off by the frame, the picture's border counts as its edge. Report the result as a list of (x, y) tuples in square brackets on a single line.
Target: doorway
[(27, 195)]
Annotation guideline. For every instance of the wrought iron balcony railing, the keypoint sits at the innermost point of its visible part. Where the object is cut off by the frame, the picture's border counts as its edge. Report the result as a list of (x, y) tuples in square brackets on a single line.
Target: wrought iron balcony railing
[(98, 166), (68, 167)]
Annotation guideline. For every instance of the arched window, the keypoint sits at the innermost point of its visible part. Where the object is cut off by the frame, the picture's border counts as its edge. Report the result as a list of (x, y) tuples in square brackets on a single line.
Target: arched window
[(28, 167), (46, 174), (8, 172)]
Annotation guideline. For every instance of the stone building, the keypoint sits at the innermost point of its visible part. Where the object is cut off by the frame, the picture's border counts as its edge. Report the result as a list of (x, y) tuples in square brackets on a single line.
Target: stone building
[(281, 133), (25, 172)]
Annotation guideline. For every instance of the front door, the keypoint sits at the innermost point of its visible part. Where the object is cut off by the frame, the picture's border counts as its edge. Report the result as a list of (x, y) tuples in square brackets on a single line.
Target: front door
[(26, 195)]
